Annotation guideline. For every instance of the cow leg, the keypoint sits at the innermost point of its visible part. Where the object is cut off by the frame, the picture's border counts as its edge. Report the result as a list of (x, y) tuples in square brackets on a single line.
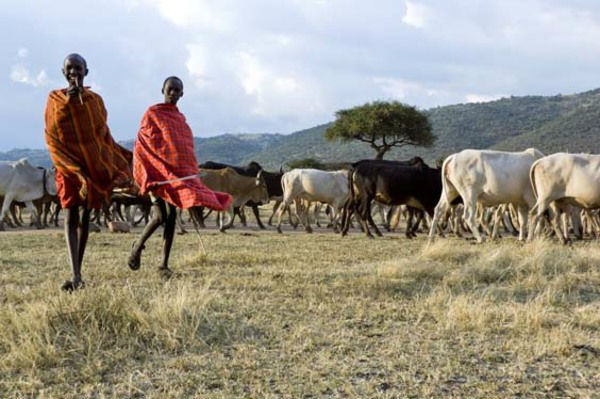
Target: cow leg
[(364, 210), (471, 217), (522, 213), (256, 212), (35, 216), (374, 225), (507, 222), (575, 217), (239, 211), (346, 216), (16, 214), (282, 208), (555, 218), (46, 212), (275, 208), (230, 212), (304, 218), (496, 221), (409, 223), (8, 199), (179, 222), (420, 216), (440, 209), (535, 215), (316, 213)]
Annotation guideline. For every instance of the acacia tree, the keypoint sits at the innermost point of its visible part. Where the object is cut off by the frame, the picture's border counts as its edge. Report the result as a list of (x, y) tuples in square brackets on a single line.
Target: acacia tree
[(383, 125)]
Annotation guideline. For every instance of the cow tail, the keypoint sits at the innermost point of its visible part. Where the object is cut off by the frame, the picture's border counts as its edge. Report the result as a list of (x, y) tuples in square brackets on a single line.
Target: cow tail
[(445, 181), (532, 178), (349, 205)]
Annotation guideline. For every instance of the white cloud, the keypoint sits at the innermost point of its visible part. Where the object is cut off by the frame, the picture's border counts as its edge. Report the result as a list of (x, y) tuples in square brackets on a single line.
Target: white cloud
[(483, 98), (197, 65), (21, 74), (417, 15), (201, 14), (22, 52), (401, 89)]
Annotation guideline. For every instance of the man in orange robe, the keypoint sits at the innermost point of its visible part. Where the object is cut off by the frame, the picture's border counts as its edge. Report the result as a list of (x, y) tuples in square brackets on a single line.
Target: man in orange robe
[(88, 161), (165, 165)]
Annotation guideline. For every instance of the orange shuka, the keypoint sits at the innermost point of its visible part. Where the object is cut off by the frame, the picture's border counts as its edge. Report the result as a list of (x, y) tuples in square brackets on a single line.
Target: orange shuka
[(89, 162)]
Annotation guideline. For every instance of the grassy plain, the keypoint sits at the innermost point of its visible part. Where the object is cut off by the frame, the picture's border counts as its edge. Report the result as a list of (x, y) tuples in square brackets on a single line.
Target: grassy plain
[(299, 316)]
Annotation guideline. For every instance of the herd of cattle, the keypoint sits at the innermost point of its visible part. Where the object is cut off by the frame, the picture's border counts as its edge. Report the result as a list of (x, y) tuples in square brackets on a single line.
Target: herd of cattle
[(476, 192)]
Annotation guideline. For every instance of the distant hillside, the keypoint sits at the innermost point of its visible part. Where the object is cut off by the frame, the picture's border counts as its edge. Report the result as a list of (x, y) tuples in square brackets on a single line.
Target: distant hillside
[(35, 157), (555, 123)]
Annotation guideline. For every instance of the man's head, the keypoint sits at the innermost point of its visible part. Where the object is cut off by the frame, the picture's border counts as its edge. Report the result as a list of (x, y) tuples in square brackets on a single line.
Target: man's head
[(172, 90), (75, 69)]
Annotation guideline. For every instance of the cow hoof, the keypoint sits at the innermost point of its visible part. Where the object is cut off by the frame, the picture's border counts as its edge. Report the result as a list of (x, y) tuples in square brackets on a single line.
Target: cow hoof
[(70, 286)]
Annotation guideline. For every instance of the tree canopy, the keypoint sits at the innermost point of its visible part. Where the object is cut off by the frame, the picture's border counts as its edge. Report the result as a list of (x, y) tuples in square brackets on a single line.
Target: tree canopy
[(382, 125), (310, 163)]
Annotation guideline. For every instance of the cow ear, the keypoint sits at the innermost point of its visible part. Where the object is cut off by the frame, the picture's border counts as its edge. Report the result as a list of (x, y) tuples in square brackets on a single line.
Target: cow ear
[(281, 169)]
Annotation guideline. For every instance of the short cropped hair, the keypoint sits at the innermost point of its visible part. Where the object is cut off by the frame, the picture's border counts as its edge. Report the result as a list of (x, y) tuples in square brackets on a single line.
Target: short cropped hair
[(172, 78), (75, 55)]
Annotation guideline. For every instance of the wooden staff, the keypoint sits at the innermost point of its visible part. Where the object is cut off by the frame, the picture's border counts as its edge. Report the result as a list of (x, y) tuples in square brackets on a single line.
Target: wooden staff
[(78, 91)]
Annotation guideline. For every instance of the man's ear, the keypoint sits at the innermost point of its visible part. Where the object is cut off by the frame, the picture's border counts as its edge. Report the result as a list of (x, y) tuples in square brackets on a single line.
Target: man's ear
[(162, 90), (86, 72)]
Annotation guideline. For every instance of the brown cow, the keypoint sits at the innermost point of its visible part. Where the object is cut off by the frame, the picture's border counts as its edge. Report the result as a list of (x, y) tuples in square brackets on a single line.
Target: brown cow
[(241, 188)]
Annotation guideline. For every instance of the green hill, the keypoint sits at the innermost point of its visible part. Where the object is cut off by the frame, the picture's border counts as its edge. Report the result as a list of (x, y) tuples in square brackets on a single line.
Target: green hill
[(551, 124)]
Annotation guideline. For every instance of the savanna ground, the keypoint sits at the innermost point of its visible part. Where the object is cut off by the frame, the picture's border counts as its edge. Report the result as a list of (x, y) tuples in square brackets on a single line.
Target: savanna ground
[(298, 316)]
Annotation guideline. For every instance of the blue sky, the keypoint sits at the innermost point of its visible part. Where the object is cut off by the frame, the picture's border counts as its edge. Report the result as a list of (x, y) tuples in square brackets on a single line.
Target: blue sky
[(279, 66)]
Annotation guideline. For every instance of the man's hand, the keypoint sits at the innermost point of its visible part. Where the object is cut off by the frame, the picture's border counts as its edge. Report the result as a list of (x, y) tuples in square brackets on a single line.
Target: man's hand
[(73, 90)]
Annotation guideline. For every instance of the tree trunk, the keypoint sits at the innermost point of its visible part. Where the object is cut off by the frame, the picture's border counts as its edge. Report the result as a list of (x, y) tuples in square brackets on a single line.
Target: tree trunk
[(380, 153)]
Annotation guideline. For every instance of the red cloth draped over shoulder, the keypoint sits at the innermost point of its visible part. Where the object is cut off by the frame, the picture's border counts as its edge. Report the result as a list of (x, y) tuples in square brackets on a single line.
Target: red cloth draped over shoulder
[(164, 150), (89, 163)]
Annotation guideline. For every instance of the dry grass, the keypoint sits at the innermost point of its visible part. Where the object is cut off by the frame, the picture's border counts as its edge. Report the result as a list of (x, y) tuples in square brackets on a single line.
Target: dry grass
[(297, 315)]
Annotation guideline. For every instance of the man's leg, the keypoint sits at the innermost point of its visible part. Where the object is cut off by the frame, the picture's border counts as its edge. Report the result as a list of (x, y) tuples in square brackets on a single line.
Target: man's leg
[(159, 215), (71, 224), (83, 232), (168, 234)]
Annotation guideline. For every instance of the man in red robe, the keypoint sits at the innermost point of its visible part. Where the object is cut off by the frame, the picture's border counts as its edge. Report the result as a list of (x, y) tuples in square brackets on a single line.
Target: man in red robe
[(165, 165), (88, 161)]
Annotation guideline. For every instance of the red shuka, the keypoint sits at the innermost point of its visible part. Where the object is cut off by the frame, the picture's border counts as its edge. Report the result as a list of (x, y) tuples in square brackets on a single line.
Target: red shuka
[(164, 150)]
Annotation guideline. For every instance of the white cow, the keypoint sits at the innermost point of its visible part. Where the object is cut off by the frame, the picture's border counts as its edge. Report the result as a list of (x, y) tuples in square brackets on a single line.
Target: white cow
[(488, 178), (314, 185), (20, 181), (560, 180)]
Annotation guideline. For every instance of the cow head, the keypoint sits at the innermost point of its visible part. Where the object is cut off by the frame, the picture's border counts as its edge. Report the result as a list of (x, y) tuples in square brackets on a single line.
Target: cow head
[(261, 185), (50, 181), (254, 168)]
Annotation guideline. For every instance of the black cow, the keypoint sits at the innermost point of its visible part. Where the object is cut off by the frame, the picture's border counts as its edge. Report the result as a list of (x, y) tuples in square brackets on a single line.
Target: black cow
[(410, 182), (253, 169)]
